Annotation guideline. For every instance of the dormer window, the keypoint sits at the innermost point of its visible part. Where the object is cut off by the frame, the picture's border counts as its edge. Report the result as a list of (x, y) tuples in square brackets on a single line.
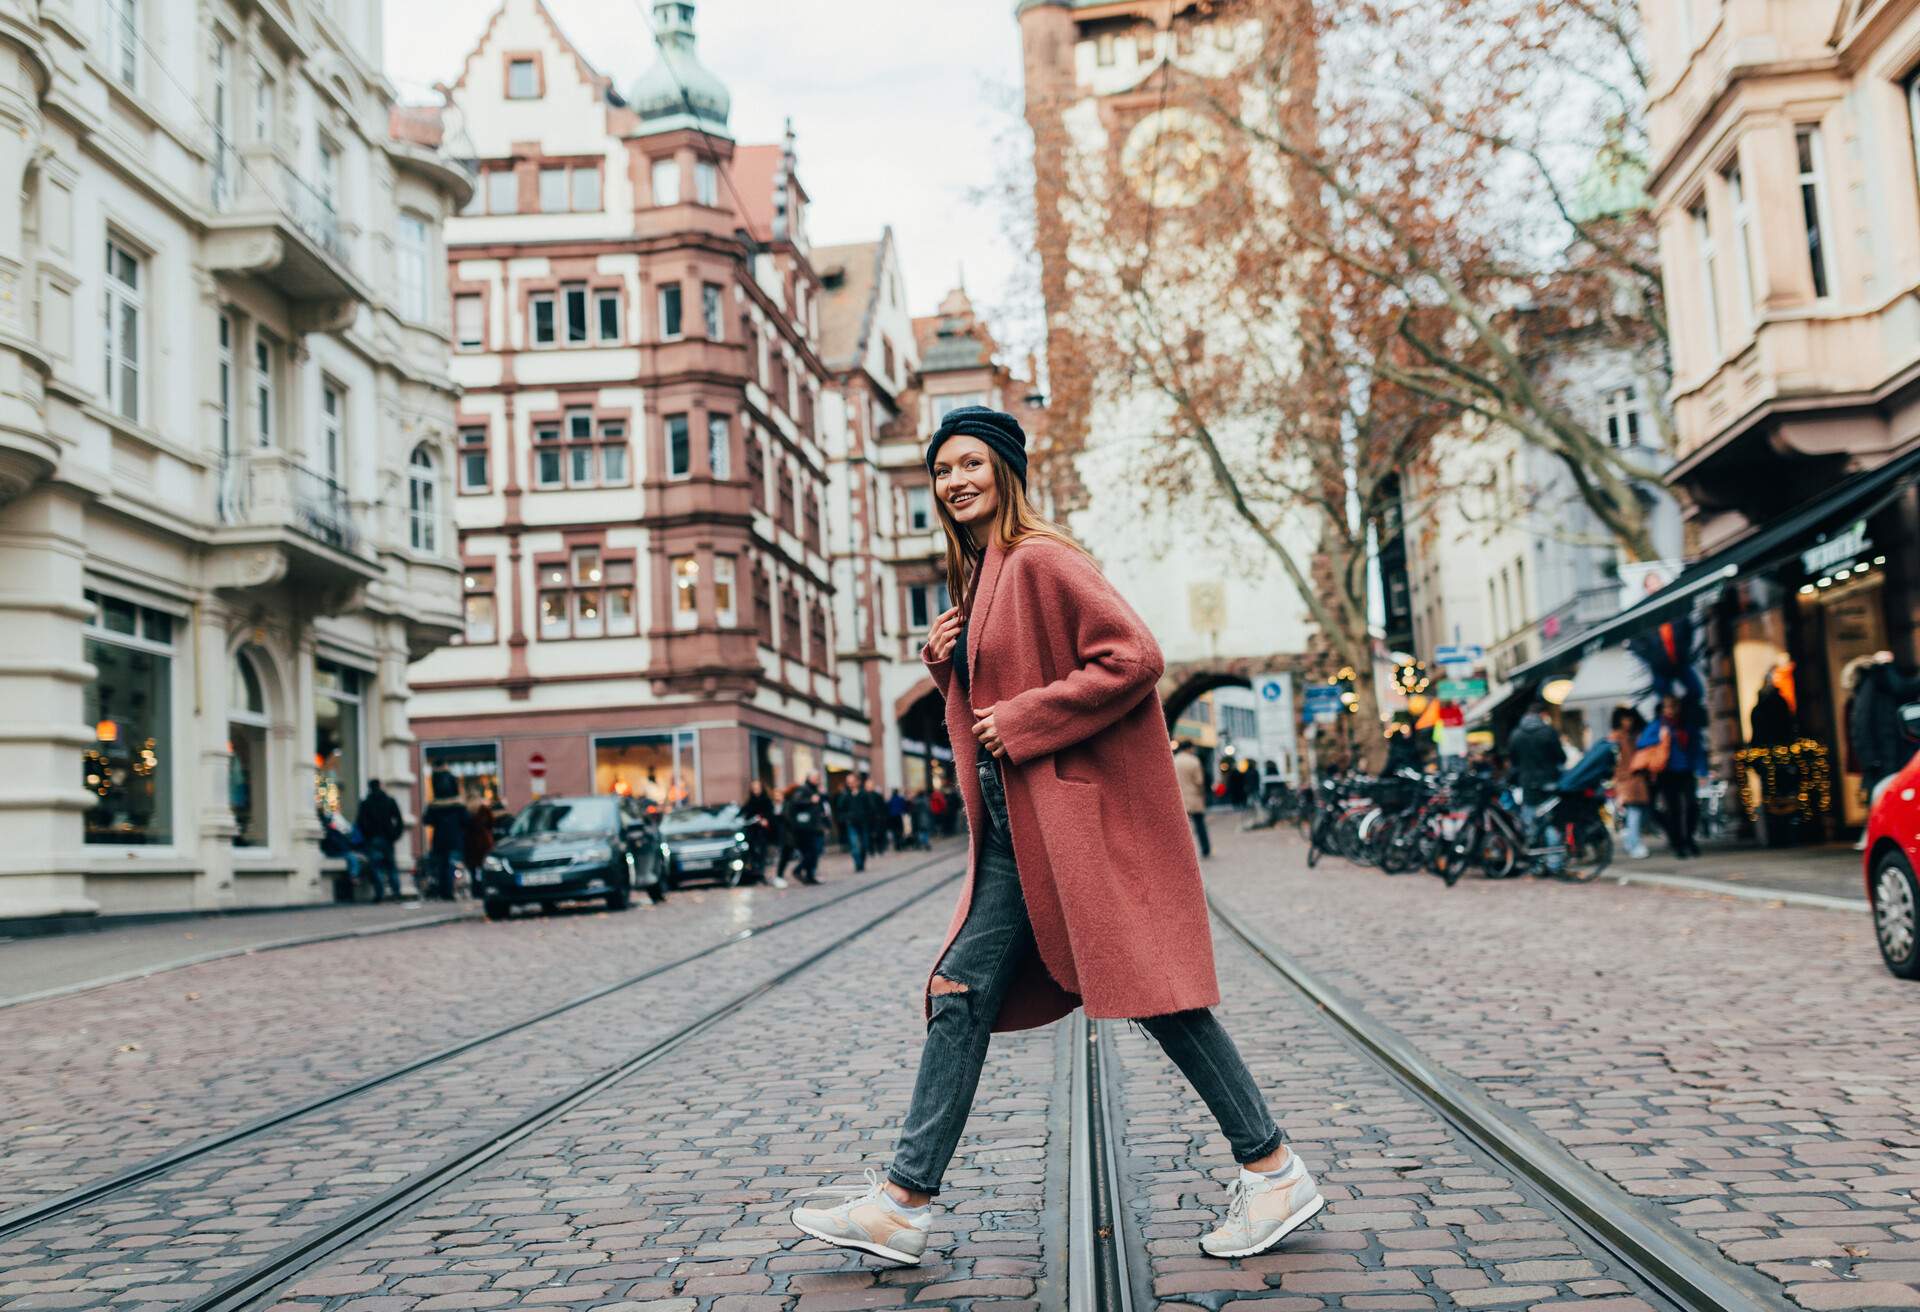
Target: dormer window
[(523, 80)]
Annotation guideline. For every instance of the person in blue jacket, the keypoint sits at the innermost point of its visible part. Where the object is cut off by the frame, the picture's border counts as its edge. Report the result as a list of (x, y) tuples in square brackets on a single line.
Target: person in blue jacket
[(1676, 787)]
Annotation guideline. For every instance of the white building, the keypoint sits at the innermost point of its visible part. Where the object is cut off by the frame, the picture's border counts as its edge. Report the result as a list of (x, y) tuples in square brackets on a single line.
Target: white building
[(225, 424)]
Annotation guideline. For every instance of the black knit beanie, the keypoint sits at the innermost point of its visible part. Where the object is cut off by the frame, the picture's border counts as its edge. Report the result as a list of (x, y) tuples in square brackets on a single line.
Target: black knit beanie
[(1000, 431)]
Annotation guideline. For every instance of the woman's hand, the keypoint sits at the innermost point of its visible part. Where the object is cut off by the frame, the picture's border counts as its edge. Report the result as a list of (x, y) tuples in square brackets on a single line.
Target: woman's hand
[(945, 632), (989, 736)]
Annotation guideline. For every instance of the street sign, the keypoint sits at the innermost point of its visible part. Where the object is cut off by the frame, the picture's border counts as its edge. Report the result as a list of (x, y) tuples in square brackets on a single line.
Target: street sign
[(1273, 708), (537, 775), (1461, 690), (1459, 654)]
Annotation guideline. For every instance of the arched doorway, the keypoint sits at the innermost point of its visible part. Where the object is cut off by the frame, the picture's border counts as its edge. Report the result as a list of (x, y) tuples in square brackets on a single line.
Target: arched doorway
[(926, 754)]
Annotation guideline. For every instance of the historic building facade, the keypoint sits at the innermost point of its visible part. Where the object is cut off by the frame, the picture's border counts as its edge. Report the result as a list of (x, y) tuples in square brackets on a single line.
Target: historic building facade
[(642, 483), (225, 430), (1784, 172)]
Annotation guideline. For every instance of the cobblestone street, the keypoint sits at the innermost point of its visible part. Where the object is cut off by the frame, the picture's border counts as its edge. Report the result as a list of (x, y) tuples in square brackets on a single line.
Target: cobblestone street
[(1738, 1079)]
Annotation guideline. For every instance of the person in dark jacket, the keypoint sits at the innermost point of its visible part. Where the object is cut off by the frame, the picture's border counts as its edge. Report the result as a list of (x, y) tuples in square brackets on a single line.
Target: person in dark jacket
[(446, 824), (808, 823), (381, 826), (1873, 722), (1536, 757), (923, 819), (759, 814), (898, 809), (853, 808), (1677, 736)]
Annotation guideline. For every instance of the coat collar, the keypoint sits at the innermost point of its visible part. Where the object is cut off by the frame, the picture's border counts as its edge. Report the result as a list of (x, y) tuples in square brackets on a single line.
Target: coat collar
[(983, 591)]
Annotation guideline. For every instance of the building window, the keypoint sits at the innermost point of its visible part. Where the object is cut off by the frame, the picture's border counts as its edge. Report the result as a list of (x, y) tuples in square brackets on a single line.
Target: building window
[(266, 364), (337, 745), (587, 597), (122, 44), (762, 606), (586, 190), (946, 405), (327, 181), (589, 618), (1742, 206), (666, 182), (1813, 204), (583, 464), (1103, 50), (553, 191), (711, 302), (475, 766), (503, 191), (129, 705), (414, 259), (333, 433), (606, 315), (423, 502), (483, 621), (723, 595), (1623, 417), (622, 614), (679, 447), (248, 773), (918, 614), (790, 624), (785, 516), (230, 475), (469, 323), (613, 454), (686, 592), (574, 297), (719, 447), (811, 533), (706, 183), (1709, 280), (474, 474), (670, 311), (541, 308), (919, 509), (263, 91), (756, 471), (523, 80), (123, 331), (223, 160), (548, 470), (661, 769), (818, 652)]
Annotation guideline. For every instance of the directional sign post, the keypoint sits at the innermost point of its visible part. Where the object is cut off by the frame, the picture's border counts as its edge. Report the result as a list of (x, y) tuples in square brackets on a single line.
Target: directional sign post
[(1461, 690)]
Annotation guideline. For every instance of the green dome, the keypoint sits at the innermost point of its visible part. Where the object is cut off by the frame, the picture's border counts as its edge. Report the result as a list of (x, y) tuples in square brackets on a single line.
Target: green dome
[(679, 91)]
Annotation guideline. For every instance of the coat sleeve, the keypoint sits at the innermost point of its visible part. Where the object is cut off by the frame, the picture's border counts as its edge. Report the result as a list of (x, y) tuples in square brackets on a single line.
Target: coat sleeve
[(1118, 660), (942, 672)]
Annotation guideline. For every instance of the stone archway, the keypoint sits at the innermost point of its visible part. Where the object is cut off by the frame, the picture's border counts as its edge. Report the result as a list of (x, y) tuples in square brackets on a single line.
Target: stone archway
[(920, 725), (1186, 681)]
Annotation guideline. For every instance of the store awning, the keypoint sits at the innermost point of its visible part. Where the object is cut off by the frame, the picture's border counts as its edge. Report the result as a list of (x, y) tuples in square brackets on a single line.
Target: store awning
[(1857, 498)]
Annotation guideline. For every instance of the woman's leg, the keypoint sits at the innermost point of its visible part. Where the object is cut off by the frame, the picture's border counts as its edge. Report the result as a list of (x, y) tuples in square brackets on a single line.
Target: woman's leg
[(1205, 1054), (968, 987)]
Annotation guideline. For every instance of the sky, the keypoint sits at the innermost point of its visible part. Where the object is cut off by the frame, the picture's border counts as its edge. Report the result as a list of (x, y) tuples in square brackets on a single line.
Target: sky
[(904, 109)]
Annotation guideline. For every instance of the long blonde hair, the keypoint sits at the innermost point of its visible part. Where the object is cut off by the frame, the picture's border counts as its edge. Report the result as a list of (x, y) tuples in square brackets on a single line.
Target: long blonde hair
[(1015, 522)]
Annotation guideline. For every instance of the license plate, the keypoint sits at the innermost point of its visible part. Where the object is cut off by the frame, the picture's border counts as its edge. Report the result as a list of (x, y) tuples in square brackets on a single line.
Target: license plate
[(698, 863), (540, 878)]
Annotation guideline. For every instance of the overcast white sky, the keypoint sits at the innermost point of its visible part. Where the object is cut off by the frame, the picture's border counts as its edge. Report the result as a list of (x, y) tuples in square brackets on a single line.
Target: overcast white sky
[(897, 103)]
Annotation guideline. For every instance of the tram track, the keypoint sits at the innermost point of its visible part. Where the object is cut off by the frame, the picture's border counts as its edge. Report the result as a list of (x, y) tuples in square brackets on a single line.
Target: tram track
[(39, 1214)]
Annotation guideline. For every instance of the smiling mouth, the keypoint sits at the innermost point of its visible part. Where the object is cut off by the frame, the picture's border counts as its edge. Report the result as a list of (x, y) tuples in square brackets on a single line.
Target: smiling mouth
[(964, 499)]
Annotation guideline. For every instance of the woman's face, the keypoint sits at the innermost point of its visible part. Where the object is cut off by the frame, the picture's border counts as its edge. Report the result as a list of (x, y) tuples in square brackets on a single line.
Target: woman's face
[(963, 479)]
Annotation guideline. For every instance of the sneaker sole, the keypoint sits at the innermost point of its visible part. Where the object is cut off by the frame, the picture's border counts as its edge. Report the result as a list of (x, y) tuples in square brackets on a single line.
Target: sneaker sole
[(864, 1245), (1287, 1227)]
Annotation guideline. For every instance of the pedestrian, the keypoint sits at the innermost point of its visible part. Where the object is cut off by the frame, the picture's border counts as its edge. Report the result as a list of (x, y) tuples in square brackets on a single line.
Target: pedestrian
[(898, 811), (788, 849), (937, 808), (923, 820), (808, 824), (1193, 791), (1537, 756), (1671, 751), (342, 841), (1403, 750), (479, 836), (1631, 789), (381, 826), (758, 814), (878, 820), (1113, 917), (1880, 749), (446, 824), (859, 826)]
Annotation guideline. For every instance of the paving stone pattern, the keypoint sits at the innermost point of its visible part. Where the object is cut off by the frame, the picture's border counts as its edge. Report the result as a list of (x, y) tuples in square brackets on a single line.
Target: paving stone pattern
[(1415, 1217), (207, 1220), (98, 1081), (1752, 1067), (670, 1191)]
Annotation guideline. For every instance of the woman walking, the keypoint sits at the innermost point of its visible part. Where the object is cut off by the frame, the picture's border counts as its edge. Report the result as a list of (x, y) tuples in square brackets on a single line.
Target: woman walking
[(1083, 888)]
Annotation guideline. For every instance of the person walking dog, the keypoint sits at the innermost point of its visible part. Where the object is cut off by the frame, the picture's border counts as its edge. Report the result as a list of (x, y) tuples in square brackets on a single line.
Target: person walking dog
[(1083, 889)]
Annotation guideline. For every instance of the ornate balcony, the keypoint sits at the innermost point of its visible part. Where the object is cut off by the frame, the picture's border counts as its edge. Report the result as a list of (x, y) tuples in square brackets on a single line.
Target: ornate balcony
[(284, 523), (271, 224)]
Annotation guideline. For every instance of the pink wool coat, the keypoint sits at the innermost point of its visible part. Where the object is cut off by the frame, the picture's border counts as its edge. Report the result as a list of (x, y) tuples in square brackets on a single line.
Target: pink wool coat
[(1106, 858)]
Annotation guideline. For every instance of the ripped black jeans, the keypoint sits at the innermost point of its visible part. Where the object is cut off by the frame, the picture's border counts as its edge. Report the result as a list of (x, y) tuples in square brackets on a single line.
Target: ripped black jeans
[(986, 957)]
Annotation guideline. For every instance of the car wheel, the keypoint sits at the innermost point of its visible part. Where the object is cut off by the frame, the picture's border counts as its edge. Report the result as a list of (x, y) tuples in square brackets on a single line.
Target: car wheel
[(1896, 914), (498, 908)]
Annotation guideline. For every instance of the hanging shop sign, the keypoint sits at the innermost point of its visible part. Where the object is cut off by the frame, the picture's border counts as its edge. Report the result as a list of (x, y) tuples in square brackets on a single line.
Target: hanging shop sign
[(1838, 551)]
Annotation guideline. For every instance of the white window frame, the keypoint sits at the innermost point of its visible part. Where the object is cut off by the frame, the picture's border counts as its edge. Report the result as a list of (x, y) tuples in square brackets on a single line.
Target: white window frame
[(223, 381), (920, 512), (266, 386), (573, 293), (713, 310), (666, 433), (552, 301), (423, 501), (1709, 277), (719, 446), (1819, 240), (919, 607), (533, 76), (462, 340), (665, 192), (602, 297), (706, 183), (724, 585), (1622, 416), (333, 432), (681, 313), (563, 191), (263, 106), (683, 587), (1742, 206), (482, 448), (223, 156), (512, 192), (578, 204), (471, 592), (558, 446), (414, 245), (120, 41), (123, 301)]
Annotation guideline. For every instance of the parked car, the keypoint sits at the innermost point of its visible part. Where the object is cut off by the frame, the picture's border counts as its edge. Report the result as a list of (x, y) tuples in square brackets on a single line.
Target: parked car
[(706, 842), (1893, 855), (562, 849)]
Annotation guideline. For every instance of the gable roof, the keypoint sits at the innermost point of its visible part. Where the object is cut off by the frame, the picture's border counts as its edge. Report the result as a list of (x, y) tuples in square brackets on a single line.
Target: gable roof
[(582, 65), (851, 278)]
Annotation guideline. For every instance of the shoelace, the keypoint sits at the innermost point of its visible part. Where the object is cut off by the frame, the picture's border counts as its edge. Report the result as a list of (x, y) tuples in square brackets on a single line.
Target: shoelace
[(849, 1191), (1239, 1199)]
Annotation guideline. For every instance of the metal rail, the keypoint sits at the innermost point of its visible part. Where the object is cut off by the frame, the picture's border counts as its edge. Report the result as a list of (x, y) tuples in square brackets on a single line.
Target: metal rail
[(1099, 1275), (39, 1213), (1688, 1272), (261, 1283)]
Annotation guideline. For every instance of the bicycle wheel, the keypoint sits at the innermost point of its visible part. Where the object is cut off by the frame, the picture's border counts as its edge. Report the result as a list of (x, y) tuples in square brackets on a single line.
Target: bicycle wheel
[(1589, 852), (1499, 855), (1316, 841)]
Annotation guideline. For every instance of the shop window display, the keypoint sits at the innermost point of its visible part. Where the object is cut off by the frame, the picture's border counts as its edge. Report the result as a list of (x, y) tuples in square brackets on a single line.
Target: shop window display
[(662, 768), (129, 705), (337, 746), (247, 770)]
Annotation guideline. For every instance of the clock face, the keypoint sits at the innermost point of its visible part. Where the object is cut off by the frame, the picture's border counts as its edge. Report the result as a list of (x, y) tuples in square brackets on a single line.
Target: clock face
[(1173, 157)]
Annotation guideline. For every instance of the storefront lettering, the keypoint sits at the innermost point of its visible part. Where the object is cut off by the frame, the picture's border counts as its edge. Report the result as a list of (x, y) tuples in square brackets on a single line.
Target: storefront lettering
[(1836, 551)]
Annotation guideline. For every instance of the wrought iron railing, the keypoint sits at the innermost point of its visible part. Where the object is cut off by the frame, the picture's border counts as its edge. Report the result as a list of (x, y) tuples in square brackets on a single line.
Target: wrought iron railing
[(314, 214), (322, 509)]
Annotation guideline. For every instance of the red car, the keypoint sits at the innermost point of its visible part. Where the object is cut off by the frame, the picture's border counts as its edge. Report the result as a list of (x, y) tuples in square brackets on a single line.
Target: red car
[(1893, 855)]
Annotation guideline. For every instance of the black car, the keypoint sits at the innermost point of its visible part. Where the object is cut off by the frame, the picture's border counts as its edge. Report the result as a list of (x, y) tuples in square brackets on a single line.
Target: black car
[(706, 842), (562, 849)]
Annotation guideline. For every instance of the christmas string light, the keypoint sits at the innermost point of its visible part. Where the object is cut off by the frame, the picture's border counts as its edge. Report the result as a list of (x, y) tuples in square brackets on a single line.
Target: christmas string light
[(1810, 790)]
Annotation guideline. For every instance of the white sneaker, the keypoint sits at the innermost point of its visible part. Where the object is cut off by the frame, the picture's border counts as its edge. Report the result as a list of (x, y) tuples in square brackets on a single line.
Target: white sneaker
[(1638, 853), (1262, 1210), (871, 1221)]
